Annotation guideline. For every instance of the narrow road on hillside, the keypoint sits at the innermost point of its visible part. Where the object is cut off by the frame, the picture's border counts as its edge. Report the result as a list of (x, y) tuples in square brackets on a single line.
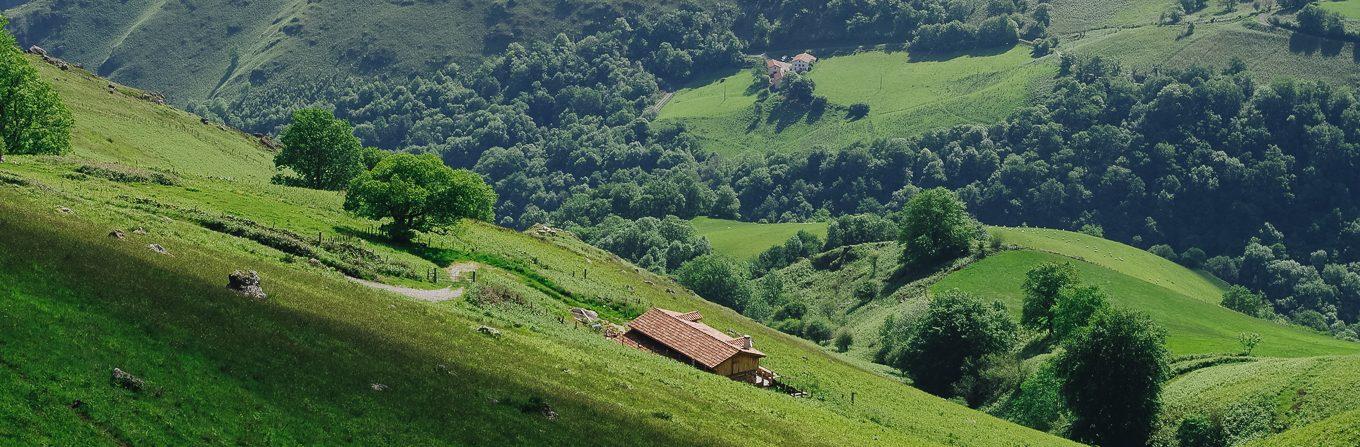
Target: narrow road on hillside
[(665, 98), (455, 272)]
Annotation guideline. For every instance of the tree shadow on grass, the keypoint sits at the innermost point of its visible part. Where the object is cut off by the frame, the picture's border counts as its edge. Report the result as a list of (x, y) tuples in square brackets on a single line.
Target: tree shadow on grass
[(307, 367), (1304, 44), (946, 56)]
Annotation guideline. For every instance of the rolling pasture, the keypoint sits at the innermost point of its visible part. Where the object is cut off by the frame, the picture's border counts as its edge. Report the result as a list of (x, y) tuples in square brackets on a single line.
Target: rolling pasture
[(1183, 302), (1269, 54), (907, 95), (1347, 8), (1307, 401), (745, 240)]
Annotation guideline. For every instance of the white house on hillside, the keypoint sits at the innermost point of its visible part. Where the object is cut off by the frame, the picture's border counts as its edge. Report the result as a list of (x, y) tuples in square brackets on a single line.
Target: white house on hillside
[(803, 62)]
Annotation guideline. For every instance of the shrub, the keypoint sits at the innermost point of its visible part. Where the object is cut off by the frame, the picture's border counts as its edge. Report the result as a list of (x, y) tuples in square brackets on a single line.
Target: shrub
[(1193, 258), (866, 291), (1240, 299), (791, 326), (844, 340), (858, 110), (817, 330), (1198, 431), (1164, 251)]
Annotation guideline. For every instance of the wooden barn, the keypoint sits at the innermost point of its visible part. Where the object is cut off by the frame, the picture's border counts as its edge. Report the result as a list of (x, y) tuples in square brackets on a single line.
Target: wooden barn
[(682, 337)]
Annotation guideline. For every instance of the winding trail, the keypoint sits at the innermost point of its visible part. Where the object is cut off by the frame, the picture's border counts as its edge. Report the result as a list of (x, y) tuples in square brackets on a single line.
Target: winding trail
[(455, 272)]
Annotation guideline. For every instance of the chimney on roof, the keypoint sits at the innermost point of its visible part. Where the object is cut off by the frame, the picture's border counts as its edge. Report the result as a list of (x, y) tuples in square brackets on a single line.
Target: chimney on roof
[(744, 342)]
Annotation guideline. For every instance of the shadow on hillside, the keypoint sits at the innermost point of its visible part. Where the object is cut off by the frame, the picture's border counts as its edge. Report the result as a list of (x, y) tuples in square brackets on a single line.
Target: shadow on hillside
[(301, 363), (942, 57), (1313, 45)]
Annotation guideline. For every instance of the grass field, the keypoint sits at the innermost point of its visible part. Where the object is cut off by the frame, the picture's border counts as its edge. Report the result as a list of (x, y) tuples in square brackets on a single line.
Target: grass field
[(1268, 54), (906, 96), (745, 240), (1072, 16), (1348, 8), (301, 367), (1313, 401), (1194, 326), (1123, 258)]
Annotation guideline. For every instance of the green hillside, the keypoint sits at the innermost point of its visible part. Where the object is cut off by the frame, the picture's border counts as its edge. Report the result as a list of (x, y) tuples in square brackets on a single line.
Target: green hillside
[(219, 47), (744, 240), (1074, 16), (1306, 401), (220, 369), (1348, 8), (1183, 301), (1122, 258), (1269, 54), (906, 96)]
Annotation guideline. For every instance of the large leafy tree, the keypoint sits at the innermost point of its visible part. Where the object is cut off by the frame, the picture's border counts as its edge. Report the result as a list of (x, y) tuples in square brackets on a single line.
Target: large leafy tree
[(321, 149), (957, 330), (33, 119), (1111, 376), (1043, 286), (418, 192), (935, 228)]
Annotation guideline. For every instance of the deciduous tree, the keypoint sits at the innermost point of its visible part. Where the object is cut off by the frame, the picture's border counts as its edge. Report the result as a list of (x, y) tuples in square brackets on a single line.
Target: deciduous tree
[(418, 192)]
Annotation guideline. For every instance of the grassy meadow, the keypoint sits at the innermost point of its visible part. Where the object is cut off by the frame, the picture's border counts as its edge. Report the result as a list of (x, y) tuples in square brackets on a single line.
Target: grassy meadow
[(1183, 300), (1347, 8), (907, 95), (1269, 54), (746, 240), (1307, 401), (1075, 16), (220, 369)]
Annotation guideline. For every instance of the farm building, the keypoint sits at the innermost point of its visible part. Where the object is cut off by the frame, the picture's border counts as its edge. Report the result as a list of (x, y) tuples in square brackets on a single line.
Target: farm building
[(803, 62), (776, 70), (682, 337)]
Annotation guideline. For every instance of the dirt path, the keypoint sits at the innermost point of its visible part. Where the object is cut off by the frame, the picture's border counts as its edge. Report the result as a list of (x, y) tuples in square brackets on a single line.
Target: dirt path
[(455, 272)]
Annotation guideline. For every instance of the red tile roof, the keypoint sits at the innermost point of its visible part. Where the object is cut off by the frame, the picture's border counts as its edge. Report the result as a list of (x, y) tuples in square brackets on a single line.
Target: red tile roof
[(805, 58), (683, 333)]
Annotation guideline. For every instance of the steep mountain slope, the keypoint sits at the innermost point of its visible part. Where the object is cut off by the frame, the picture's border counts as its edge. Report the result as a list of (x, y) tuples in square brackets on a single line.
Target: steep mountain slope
[(325, 360), (219, 46)]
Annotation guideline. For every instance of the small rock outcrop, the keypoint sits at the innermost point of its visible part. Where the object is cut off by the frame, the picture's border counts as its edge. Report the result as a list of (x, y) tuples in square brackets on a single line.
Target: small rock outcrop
[(378, 387), (489, 331), (124, 379), (584, 315), (158, 249), (118, 234), (37, 50), (247, 284)]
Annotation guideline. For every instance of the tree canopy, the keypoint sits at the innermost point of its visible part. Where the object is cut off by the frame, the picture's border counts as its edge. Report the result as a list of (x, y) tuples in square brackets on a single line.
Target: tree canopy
[(321, 149), (1112, 374), (1043, 287), (418, 192), (33, 120), (935, 227), (717, 279), (957, 330)]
